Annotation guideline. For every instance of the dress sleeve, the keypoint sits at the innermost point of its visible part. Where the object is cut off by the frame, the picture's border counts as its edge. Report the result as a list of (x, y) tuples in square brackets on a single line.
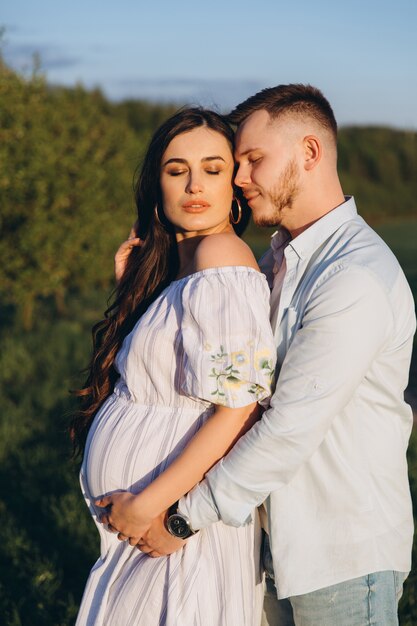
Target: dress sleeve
[(229, 349)]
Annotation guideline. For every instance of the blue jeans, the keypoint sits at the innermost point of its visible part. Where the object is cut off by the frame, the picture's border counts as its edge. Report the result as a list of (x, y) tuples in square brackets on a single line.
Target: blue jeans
[(370, 600)]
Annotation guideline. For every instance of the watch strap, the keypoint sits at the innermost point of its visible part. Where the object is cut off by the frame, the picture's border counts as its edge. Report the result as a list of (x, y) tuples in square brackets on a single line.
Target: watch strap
[(173, 508), (176, 521)]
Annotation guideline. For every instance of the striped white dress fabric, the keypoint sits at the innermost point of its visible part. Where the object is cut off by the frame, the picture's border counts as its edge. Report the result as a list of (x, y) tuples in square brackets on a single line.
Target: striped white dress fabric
[(206, 339)]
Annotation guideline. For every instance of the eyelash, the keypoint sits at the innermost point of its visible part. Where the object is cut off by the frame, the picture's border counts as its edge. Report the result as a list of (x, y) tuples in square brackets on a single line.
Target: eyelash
[(211, 172)]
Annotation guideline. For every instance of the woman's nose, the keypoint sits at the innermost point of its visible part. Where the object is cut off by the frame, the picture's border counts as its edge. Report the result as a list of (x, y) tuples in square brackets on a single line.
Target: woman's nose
[(194, 184)]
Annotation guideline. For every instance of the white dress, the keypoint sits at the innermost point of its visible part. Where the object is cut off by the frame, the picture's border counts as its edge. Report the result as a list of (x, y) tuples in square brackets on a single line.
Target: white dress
[(206, 339)]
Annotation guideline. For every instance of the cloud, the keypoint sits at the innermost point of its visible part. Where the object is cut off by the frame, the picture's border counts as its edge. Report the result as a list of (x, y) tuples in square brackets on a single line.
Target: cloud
[(209, 92), (20, 56)]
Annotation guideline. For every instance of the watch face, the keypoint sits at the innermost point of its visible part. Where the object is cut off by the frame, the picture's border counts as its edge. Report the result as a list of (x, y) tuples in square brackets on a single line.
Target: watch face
[(178, 526)]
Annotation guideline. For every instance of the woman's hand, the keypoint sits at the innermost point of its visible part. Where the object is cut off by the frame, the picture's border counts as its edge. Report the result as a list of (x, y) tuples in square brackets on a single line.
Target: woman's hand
[(125, 514), (124, 251)]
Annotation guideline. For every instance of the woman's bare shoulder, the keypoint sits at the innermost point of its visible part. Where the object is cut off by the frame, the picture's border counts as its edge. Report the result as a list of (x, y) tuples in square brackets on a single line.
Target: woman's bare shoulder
[(223, 249)]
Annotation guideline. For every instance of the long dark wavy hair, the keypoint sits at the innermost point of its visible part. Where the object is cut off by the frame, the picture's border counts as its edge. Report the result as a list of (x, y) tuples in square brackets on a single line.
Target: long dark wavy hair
[(149, 269)]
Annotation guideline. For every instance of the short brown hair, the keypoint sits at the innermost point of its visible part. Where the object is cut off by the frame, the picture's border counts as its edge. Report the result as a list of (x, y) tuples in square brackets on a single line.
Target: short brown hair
[(293, 98)]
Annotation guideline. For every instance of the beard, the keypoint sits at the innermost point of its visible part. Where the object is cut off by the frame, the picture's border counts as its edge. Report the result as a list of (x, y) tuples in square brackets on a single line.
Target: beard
[(281, 196)]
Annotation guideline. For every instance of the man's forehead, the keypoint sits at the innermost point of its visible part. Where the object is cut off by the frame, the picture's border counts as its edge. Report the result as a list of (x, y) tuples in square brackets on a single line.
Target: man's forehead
[(254, 122), (254, 131)]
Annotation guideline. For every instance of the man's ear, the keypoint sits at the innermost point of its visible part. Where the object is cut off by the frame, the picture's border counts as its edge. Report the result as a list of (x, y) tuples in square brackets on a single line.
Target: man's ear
[(312, 151)]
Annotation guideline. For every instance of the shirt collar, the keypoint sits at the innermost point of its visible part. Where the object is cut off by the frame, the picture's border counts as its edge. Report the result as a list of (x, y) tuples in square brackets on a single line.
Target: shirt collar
[(279, 241), (310, 239)]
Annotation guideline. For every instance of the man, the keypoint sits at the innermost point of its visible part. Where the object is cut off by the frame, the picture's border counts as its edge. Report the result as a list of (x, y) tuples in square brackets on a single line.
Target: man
[(329, 455), (330, 452)]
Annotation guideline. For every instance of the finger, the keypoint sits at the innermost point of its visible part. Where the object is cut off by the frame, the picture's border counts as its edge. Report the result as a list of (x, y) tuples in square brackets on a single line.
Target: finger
[(134, 228), (144, 548), (145, 541), (103, 502), (134, 541), (135, 241), (111, 528), (122, 537), (148, 546), (149, 551), (132, 233)]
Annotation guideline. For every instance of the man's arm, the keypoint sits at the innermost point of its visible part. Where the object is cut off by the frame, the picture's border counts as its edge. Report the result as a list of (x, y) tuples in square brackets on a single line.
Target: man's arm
[(345, 325)]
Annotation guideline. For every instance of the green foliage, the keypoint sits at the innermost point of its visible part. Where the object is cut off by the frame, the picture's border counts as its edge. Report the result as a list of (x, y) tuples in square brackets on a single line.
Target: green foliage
[(65, 185), (47, 540), (143, 117), (378, 166), (67, 157)]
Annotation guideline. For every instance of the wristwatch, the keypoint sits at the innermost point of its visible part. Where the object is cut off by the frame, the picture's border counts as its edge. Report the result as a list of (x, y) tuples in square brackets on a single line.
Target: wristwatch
[(178, 524)]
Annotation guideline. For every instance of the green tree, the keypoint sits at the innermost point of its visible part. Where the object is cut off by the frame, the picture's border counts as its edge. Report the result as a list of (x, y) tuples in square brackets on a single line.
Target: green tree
[(65, 190), (378, 166)]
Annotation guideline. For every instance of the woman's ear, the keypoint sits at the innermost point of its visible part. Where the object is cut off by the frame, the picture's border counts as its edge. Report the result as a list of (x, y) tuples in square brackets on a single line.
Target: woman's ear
[(312, 151)]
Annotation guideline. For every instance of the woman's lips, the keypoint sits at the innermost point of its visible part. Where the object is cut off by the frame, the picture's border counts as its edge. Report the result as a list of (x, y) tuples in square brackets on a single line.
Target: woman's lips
[(195, 206)]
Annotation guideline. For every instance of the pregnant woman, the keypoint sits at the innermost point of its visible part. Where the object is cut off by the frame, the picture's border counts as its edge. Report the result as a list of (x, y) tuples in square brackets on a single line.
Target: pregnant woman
[(180, 361)]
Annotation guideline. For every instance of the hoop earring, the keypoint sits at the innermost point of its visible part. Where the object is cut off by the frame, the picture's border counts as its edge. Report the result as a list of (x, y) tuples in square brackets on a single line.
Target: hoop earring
[(233, 219), (157, 218)]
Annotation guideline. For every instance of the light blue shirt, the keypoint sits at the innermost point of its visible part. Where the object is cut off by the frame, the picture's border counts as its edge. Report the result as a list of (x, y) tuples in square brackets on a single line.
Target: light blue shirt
[(330, 452)]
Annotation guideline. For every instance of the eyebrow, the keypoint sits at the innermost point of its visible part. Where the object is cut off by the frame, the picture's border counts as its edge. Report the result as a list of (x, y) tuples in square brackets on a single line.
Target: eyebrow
[(247, 151), (209, 158)]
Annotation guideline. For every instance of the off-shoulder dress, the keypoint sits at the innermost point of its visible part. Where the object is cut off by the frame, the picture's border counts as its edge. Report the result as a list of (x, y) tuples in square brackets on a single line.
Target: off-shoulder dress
[(205, 340)]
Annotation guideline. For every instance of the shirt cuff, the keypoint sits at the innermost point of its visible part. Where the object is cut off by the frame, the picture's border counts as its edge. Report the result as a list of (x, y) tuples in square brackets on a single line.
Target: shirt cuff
[(199, 506)]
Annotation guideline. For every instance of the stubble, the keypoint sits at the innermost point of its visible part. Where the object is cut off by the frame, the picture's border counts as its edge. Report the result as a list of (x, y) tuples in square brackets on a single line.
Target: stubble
[(281, 196)]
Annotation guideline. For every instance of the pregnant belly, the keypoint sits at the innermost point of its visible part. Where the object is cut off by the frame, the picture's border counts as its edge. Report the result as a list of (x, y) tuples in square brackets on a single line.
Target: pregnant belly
[(130, 444)]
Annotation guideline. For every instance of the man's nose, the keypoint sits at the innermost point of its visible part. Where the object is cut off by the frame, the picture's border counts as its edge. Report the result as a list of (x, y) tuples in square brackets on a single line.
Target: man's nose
[(242, 176)]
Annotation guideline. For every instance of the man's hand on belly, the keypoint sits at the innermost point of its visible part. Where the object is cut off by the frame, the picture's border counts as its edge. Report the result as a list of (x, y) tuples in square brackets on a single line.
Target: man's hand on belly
[(157, 541), (123, 515)]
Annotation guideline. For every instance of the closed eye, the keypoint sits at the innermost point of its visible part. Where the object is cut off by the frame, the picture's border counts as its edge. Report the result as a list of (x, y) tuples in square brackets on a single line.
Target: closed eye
[(176, 172)]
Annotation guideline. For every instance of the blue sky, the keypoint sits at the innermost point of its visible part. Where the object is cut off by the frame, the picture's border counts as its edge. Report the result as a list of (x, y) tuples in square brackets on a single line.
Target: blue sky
[(361, 53)]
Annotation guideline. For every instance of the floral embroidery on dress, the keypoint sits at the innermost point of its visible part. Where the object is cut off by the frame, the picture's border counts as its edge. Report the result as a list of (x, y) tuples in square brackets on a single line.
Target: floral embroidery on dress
[(240, 358), (264, 362), (228, 376)]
